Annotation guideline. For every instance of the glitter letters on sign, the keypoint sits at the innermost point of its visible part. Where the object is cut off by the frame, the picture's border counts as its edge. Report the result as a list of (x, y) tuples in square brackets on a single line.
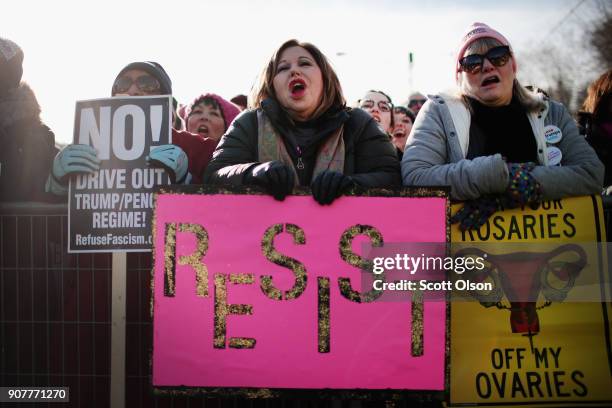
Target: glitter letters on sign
[(252, 292)]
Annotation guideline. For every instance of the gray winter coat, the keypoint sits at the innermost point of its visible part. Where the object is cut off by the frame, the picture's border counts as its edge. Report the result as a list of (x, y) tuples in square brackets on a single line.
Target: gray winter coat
[(436, 148)]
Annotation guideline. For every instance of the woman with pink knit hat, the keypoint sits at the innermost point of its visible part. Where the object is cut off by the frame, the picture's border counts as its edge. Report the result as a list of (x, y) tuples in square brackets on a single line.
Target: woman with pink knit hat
[(497, 144), (209, 115)]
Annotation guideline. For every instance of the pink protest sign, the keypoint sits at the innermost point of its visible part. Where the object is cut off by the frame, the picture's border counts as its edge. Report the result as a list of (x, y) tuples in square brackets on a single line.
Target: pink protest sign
[(252, 292)]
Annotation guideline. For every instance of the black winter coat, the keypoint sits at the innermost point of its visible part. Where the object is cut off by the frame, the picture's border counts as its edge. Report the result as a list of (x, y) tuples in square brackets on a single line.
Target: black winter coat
[(27, 148), (370, 158), (602, 144)]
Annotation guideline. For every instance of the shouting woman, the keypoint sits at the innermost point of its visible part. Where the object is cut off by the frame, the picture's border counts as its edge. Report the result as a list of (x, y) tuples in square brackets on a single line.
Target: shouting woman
[(302, 133)]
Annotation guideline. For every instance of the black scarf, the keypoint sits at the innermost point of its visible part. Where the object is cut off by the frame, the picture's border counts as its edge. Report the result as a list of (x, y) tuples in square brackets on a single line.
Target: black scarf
[(505, 130)]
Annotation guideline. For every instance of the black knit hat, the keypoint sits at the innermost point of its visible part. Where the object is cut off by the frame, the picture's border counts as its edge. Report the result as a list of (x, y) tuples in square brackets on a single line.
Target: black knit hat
[(155, 70), (11, 69)]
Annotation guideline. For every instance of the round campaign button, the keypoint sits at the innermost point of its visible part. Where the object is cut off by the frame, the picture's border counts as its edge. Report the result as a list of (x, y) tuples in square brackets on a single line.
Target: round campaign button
[(554, 155), (552, 134)]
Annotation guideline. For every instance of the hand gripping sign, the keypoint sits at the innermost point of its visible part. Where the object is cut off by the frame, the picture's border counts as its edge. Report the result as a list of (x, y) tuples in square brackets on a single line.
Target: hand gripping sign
[(112, 208), (254, 293)]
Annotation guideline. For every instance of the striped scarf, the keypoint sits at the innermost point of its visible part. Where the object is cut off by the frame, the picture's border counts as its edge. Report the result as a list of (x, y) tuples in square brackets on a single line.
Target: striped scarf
[(271, 147)]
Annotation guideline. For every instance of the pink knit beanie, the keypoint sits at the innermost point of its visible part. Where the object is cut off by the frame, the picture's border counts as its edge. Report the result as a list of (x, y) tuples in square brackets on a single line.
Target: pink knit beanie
[(473, 33), (229, 110)]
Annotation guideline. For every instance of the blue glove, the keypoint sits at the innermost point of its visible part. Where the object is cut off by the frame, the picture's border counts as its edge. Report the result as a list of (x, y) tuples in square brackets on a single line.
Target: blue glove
[(74, 158), (172, 158)]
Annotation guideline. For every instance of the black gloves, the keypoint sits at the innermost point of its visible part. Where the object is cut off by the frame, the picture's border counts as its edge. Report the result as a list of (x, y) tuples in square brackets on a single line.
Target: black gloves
[(329, 185), (278, 179), (275, 177)]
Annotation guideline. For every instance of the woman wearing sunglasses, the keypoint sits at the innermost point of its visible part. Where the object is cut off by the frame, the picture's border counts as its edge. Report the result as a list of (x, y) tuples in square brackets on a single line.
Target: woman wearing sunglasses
[(378, 104), (185, 159), (416, 102), (301, 133), (497, 145)]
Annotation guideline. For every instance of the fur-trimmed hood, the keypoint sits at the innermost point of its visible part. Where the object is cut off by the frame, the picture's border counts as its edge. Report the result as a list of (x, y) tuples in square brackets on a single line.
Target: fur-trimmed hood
[(18, 104)]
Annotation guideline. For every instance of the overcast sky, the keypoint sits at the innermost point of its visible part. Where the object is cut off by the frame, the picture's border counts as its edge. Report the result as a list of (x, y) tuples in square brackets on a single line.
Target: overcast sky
[(74, 49)]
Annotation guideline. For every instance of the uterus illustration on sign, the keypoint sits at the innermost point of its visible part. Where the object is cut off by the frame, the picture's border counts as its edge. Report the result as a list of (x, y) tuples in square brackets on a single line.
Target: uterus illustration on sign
[(525, 282)]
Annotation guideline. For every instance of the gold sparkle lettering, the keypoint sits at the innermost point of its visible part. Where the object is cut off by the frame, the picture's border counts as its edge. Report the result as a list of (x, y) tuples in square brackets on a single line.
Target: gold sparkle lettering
[(347, 254), (417, 324), (169, 259), (323, 315), (299, 271), (223, 309)]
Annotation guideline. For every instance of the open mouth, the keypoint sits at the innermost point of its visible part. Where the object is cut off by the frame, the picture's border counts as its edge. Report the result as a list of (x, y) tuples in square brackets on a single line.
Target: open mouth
[(399, 133), (203, 130), (297, 87), (494, 79)]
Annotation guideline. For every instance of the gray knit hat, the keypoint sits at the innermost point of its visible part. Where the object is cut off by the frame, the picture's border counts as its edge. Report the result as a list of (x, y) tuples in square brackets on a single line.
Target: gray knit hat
[(11, 69)]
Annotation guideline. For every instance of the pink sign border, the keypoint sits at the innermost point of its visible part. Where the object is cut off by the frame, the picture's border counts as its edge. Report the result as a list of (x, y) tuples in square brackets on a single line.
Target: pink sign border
[(264, 393)]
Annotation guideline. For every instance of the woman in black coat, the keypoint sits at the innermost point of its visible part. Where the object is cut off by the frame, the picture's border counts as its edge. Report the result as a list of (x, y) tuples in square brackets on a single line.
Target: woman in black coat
[(301, 133)]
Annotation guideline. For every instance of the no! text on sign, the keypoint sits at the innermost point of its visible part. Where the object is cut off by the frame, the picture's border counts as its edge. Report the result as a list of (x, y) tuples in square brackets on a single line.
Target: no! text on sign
[(112, 209)]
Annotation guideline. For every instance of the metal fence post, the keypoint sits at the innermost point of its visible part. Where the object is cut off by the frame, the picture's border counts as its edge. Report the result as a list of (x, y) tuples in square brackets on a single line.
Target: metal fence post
[(117, 379)]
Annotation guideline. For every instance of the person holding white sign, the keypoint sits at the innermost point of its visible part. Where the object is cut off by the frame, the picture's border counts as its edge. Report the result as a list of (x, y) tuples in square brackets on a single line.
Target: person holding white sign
[(302, 134), (186, 157), (498, 145)]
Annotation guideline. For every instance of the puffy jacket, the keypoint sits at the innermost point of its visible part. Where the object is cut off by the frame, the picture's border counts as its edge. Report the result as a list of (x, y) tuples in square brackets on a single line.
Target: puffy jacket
[(370, 157), (27, 148), (437, 145), (198, 149)]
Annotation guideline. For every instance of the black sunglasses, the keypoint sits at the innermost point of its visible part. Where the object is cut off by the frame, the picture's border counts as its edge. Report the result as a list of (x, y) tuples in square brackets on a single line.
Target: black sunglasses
[(146, 83), (499, 56), (414, 102)]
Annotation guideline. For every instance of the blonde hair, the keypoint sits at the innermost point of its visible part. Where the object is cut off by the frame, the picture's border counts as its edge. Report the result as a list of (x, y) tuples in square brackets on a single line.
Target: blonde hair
[(332, 95), (522, 94)]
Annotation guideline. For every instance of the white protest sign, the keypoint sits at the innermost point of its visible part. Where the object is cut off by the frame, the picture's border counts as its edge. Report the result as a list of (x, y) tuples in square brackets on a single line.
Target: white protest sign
[(111, 209)]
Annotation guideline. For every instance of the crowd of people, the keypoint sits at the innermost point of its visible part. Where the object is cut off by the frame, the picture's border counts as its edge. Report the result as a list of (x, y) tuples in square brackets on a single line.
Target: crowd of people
[(496, 143)]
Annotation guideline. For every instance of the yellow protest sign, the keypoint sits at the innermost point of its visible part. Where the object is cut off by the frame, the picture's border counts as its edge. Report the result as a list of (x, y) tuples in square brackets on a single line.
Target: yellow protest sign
[(509, 353)]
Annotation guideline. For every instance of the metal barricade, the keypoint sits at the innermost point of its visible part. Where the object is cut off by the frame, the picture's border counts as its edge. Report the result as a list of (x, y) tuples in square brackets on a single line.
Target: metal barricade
[(55, 312), (55, 316)]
